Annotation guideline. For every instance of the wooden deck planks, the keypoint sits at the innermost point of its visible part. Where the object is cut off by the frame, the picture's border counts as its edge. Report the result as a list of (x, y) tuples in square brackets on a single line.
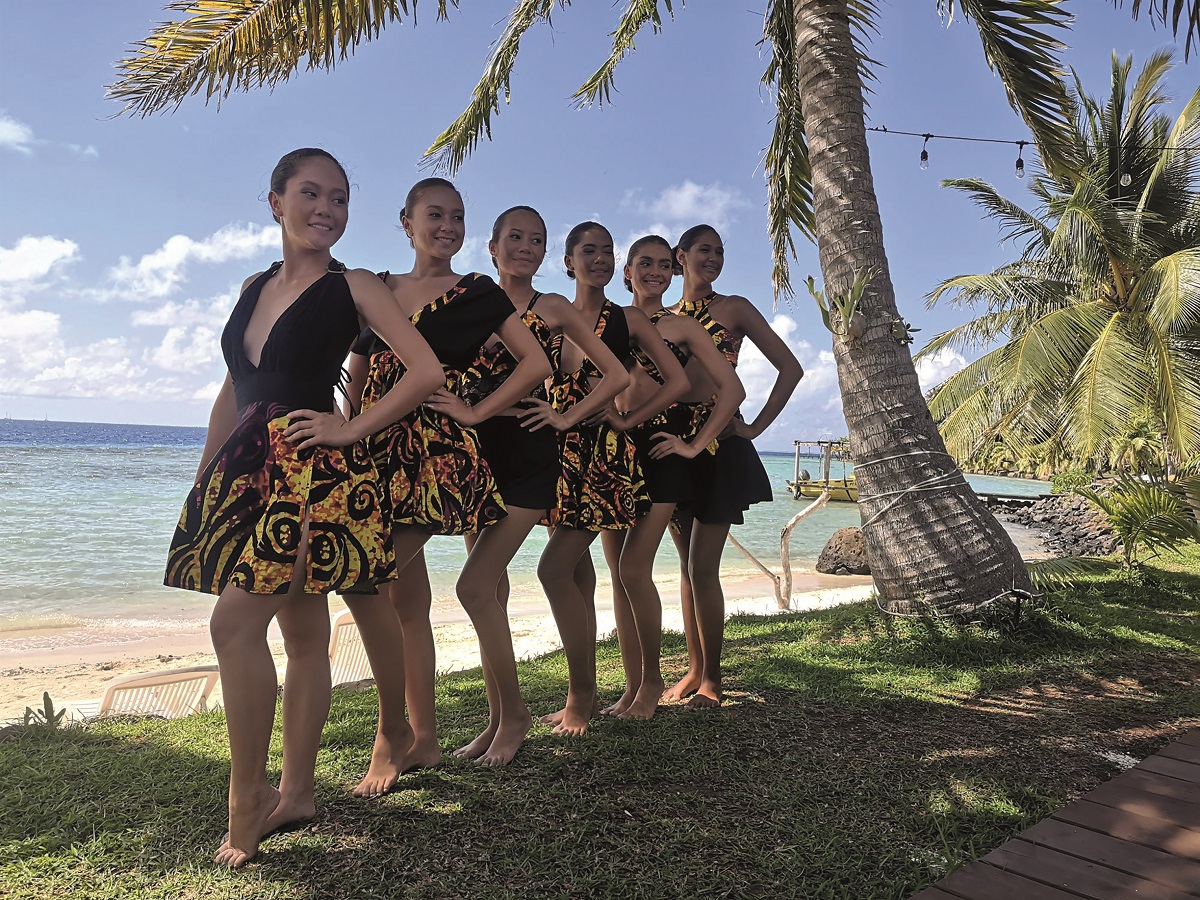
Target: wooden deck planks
[(1135, 836)]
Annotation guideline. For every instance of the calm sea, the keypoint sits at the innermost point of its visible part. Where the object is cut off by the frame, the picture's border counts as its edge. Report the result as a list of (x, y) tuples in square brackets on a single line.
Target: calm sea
[(87, 512)]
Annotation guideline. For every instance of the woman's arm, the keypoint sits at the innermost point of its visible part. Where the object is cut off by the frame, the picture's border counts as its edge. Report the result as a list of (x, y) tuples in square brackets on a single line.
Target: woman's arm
[(675, 382), (221, 422), (532, 367), (358, 367), (423, 373), (729, 391), (746, 318)]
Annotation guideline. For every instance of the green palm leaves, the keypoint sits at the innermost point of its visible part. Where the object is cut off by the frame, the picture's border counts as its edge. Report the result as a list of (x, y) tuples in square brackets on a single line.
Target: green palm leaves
[(1098, 320)]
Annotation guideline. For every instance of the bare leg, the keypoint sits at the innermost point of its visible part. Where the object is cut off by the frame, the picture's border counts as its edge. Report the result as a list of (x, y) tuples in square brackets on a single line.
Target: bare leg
[(383, 639), (707, 543), (478, 586), (412, 598), (575, 613), (477, 747), (613, 543), (690, 681), (304, 622), (637, 576)]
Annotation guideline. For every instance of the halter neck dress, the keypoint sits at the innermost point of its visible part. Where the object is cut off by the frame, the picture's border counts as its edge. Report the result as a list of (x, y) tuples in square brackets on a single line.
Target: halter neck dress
[(668, 480), (241, 524), (601, 486), (524, 462), (437, 477), (731, 479)]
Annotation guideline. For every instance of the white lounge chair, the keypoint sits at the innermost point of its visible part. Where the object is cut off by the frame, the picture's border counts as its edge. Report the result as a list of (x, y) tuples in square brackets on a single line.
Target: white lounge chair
[(347, 656), (169, 694)]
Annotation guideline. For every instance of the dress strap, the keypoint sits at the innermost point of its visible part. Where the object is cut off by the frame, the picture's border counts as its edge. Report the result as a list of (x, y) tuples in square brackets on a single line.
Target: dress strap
[(533, 300)]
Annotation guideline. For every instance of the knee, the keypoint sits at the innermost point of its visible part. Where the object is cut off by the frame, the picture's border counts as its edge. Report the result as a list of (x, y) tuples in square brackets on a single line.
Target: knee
[(473, 595), (704, 573), (305, 642), (553, 576), (634, 575), (230, 632)]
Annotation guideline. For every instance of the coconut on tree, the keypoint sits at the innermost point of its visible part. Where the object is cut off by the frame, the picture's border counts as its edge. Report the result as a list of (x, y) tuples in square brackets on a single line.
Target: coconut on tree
[(1093, 332), (929, 539)]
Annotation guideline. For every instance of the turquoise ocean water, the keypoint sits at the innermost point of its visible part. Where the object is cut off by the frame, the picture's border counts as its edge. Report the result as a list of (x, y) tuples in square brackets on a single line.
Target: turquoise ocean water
[(87, 511)]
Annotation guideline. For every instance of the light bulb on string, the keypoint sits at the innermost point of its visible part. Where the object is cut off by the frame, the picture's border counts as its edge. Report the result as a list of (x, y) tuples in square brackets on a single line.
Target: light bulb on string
[(1126, 179), (925, 153), (1020, 159)]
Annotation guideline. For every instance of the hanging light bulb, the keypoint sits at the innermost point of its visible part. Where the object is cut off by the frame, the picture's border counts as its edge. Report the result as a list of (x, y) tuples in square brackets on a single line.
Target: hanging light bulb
[(1020, 159), (1126, 179), (925, 153)]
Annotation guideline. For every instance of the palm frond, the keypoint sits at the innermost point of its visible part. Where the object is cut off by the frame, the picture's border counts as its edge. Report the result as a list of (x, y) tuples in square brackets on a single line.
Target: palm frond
[(1176, 396), (597, 89), (1014, 221), (1171, 12), (981, 331), (451, 148), (224, 45), (1065, 571), (1018, 46), (1169, 292)]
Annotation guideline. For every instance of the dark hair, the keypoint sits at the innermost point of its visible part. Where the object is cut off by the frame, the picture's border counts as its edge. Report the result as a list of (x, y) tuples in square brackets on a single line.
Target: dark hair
[(415, 192), (575, 235), (499, 223), (687, 240), (290, 162), (642, 242)]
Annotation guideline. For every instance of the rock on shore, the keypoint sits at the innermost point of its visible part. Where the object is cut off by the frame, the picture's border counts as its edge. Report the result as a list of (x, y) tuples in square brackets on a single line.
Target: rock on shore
[(1068, 524)]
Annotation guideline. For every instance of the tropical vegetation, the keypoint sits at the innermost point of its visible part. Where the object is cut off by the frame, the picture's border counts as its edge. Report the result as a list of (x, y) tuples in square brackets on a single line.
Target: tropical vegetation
[(1093, 332), (857, 756), (929, 540)]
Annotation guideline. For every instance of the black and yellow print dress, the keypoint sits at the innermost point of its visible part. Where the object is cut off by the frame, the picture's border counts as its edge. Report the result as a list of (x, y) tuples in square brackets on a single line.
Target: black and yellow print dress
[(524, 462), (668, 480), (731, 479), (601, 486), (437, 477), (242, 521)]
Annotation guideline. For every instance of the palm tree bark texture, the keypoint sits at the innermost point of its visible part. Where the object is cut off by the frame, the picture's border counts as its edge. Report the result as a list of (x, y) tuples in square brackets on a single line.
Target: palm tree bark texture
[(931, 543)]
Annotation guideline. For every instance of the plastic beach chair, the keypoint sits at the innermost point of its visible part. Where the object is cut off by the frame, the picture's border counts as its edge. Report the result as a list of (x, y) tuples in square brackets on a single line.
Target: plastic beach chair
[(169, 694), (347, 656)]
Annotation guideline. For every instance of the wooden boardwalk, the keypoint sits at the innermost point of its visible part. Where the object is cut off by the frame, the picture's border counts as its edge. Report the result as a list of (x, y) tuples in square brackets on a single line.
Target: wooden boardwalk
[(1137, 836)]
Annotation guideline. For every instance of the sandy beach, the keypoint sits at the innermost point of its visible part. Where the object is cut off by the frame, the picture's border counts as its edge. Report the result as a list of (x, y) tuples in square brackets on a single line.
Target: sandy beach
[(77, 665)]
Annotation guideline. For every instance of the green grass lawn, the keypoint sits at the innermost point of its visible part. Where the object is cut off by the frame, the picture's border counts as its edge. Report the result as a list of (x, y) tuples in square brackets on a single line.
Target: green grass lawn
[(858, 757)]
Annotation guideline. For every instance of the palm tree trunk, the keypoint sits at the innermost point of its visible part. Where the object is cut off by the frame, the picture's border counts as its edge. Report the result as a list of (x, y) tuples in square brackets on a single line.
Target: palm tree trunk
[(931, 542)]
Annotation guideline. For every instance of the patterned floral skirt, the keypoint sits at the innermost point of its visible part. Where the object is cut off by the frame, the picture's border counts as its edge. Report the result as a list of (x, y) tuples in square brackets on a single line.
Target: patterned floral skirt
[(242, 522), (437, 477)]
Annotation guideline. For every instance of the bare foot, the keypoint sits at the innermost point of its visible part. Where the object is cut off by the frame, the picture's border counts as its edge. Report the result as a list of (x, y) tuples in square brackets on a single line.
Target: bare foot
[(509, 738), (386, 763), (291, 814), (680, 689), (645, 704), (425, 753), (555, 718), (479, 746), (708, 696), (575, 716), (247, 824), (622, 703)]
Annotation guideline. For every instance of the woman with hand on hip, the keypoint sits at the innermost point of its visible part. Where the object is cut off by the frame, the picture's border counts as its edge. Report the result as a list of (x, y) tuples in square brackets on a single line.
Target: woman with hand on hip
[(439, 481), (730, 480), (666, 444), (287, 502)]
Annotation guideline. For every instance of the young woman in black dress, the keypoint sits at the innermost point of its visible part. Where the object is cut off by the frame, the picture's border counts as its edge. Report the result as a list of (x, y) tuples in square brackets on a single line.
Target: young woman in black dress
[(439, 481), (666, 444), (730, 480), (287, 502), (601, 486), (521, 446)]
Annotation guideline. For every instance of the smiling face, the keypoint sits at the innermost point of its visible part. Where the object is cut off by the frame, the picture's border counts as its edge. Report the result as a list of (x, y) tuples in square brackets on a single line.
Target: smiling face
[(313, 206), (436, 224), (704, 258), (519, 245), (591, 258), (649, 269)]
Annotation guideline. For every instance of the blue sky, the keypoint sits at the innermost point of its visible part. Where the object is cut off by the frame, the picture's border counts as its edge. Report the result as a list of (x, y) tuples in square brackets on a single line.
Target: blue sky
[(124, 240)]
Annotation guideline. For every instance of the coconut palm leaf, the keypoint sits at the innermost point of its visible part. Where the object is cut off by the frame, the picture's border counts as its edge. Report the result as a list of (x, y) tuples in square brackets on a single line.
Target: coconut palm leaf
[(1173, 12), (1111, 384), (1177, 392), (599, 86), (1014, 221), (1169, 292), (451, 148), (1065, 571), (224, 45)]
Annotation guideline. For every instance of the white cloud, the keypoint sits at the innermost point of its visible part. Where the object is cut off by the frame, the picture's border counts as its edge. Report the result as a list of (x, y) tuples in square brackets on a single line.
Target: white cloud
[(683, 205), (185, 349), (212, 312), (89, 150), (160, 273), (33, 257), (933, 370), (16, 135), (474, 255)]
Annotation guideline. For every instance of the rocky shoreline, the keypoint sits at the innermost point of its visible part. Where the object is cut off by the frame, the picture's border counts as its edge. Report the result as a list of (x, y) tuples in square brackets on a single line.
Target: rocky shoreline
[(1068, 524)]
